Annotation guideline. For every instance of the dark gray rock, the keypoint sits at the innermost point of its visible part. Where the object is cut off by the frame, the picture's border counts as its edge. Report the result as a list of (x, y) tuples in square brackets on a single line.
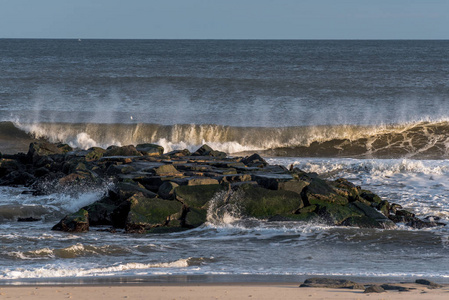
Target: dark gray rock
[(254, 160), (179, 153), (332, 283), (390, 287), (205, 150), (129, 150), (167, 190), (150, 149), (374, 289), (430, 284), (76, 222)]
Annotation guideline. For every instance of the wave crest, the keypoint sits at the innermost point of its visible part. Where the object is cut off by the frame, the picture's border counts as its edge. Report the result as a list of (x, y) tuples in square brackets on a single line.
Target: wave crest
[(414, 140)]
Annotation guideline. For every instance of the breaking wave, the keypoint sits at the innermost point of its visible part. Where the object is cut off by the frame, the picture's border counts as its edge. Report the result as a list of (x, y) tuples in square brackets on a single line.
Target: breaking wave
[(50, 271), (423, 140)]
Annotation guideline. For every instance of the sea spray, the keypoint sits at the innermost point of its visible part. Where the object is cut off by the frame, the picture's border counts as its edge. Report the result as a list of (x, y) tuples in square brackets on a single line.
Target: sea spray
[(427, 140), (220, 211)]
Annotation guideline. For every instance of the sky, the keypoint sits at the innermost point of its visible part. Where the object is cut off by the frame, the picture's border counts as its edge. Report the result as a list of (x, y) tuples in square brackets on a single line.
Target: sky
[(225, 19)]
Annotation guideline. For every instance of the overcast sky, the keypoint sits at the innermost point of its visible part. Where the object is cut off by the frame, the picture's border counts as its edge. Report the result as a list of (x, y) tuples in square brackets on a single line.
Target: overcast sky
[(225, 19)]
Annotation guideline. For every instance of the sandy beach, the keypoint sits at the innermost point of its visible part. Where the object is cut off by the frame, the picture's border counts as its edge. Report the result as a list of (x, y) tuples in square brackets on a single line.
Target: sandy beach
[(211, 291)]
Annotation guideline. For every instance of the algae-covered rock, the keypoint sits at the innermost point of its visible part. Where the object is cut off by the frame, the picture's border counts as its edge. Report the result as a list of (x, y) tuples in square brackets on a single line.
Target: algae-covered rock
[(369, 211), (146, 213), (167, 170), (246, 186), (346, 189), (129, 150), (43, 148), (335, 213), (299, 217), (201, 181), (370, 196), (76, 222), (261, 203), (94, 153), (195, 217), (319, 191), (64, 148), (198, 195)]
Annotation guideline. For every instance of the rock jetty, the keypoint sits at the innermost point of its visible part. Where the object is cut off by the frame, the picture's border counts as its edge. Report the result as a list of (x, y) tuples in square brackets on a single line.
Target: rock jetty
[(153, 191)]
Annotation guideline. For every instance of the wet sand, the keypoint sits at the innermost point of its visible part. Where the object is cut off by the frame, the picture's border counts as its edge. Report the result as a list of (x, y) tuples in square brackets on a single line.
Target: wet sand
[(211, 291)]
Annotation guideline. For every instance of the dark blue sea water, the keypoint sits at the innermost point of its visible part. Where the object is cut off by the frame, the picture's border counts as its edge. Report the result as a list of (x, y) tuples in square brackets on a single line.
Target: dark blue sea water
[(375, 112)]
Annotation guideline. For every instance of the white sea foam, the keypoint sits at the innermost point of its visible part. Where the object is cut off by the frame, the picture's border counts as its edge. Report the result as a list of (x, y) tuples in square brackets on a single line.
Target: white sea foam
[(420, 185), (44, 253), (52, 271)]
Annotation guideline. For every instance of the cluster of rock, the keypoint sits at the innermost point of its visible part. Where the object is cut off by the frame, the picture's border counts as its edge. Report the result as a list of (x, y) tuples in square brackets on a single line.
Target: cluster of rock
[(333, 283), (157, 192)]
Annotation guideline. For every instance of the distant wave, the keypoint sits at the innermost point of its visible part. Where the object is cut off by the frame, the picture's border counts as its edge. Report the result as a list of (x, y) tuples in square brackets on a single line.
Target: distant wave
[(423, 140)]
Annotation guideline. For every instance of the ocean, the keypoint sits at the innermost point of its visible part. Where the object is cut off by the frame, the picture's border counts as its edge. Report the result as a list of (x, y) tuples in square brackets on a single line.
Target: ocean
[(374, 112)]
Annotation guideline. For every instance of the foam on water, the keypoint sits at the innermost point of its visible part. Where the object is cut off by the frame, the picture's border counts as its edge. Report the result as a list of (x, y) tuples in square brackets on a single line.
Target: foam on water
[(420, 185), (53, 271)]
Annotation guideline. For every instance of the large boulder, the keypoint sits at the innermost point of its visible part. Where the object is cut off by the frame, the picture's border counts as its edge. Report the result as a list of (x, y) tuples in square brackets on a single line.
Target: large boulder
[(332, 283), (147, 213), (257, 202), (254, 160), (198, 195), (76, 222), (43, 148), (100, 212), (150, 149), (129, 150), (167, 170), (94, 153), (167, 190), (194, 217), (126, 190), (40, 149), (179, 153), (319, 191), (205, 150), (9, 165)]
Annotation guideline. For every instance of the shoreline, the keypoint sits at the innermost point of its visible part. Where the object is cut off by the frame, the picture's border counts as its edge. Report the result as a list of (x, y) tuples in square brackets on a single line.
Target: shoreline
[(236, 290), (170, 280)]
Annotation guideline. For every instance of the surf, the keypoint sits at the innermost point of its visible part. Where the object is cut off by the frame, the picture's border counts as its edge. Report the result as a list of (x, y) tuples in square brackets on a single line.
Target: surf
[(417, 140)]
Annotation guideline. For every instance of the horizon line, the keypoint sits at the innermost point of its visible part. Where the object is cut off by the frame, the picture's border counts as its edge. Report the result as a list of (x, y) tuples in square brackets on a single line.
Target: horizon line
[(229, 39)]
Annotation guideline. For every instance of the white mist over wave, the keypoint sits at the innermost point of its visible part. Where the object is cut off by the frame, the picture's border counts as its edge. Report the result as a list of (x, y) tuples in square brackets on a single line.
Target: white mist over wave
[(14, 203), (423, 139)]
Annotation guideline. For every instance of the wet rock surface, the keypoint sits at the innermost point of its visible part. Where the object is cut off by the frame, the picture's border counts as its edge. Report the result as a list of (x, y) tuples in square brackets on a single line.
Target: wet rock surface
[(332, 283), (155, 192)]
